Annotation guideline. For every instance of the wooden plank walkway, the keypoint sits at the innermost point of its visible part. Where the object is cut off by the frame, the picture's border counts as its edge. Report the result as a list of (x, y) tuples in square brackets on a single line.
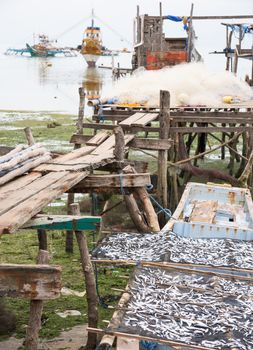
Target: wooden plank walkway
[(139, 119), (24, 197)]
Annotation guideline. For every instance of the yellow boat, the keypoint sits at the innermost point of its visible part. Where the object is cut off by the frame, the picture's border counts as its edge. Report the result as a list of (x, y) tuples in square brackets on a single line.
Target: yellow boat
[(92, 44)]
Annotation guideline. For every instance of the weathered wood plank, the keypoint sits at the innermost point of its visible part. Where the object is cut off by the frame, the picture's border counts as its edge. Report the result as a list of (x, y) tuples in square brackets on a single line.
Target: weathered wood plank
[(147, 118), (128, 138), (37, 282), (11, 200), (104, 126), (80, 139), (211, 129), (234, 118), (151, 144), (99, 138), (106, 145), (86, 163), (114, 181), (18, 183), (63, 222), (132, 119), (195, 115), (71, 156), (16, 217)]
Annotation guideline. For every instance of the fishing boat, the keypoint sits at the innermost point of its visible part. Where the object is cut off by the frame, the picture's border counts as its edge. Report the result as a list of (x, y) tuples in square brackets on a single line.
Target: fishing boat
[(91, 48), (43, 48)]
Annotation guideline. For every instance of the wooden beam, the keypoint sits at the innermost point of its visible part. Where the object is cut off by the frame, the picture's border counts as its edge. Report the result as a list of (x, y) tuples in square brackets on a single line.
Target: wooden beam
[(211, 129), (63, 222), (113, 181), (125, 127), (222, 17), (139, 165), (37, 282), (151, 144), (113, 333), (220, 119)]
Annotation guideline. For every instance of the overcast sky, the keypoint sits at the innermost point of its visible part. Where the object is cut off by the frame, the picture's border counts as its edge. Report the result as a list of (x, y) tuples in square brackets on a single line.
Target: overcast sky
[(19, 19)]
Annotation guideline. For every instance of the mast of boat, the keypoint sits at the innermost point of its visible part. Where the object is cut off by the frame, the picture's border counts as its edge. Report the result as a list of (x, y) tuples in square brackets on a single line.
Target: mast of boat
[(92, 19)]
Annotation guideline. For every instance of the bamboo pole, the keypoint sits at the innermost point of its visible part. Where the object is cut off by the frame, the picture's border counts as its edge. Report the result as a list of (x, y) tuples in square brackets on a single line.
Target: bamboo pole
[(90, 282)]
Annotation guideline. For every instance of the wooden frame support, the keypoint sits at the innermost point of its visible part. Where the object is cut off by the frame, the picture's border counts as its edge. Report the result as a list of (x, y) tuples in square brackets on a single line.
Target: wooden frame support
[(163, 154)]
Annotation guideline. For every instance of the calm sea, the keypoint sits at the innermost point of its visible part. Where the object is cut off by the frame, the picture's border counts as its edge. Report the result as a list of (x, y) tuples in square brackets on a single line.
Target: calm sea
[(51, 84)]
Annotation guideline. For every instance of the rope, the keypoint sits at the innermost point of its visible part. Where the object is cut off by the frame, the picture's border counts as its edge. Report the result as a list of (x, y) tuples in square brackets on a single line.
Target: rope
[(167, 212), (121, 184), (100, 299)]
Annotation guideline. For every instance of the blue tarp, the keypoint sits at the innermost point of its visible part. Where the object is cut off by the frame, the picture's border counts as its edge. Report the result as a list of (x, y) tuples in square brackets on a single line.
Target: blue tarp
[(174, 18)]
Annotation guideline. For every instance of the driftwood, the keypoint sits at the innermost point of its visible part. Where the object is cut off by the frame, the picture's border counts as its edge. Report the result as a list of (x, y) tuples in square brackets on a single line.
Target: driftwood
[(12, 153), (22, 157)]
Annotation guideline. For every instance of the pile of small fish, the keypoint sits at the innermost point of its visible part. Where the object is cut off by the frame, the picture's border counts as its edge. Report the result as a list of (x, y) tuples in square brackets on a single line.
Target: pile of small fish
[(215, 252), (133, 246), (194, 308), (167, 246)]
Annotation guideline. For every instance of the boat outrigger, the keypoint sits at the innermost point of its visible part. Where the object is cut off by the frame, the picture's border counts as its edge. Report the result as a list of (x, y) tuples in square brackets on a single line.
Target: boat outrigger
[(44, 48)]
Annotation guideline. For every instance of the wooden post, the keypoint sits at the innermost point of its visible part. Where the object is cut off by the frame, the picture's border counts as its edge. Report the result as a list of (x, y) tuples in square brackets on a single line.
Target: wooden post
[(90, 282), (42, 235), (71, 196), (164, 115), (190, 32), (150, 214), (79, 125), (119, 150), (36, 307), (69, 234), (130, 201), (161, 26), (29, 136)]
